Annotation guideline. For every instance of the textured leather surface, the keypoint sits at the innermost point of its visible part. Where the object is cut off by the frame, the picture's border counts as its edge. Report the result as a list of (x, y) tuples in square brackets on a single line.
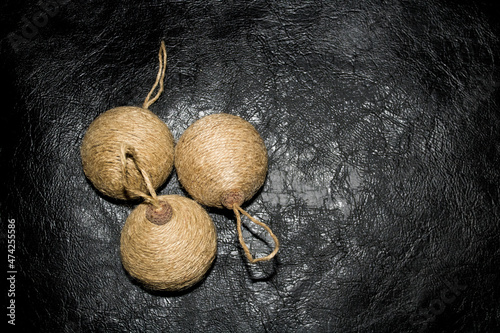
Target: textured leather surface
[(382, 124)]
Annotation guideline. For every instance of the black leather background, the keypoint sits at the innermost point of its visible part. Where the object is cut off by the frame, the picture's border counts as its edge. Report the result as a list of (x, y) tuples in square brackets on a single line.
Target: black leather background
[(382, 124)]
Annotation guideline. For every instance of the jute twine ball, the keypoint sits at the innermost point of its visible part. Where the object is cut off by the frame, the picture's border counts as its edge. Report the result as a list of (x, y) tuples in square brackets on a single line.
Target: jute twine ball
[(135, 128), (169, 246), (221, 161), (221, 158)]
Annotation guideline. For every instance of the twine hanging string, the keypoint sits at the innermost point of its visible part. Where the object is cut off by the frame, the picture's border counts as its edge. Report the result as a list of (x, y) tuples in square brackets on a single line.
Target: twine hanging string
[(237, 210), (151, 198), (162, 58), (126, 150)]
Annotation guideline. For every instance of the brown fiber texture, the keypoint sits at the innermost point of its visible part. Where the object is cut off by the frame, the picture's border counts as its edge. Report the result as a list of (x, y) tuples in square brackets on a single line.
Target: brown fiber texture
[(221, 161), (220, 153), (171, 256), (138, 129), (135, 127)]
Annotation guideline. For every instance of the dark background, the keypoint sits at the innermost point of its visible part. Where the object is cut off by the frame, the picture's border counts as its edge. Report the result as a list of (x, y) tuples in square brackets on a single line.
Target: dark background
[(382, 124)]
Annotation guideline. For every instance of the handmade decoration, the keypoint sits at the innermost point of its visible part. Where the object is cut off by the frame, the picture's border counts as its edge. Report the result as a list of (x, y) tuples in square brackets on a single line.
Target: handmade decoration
[(221, 161), (135, 127), (168, 247)]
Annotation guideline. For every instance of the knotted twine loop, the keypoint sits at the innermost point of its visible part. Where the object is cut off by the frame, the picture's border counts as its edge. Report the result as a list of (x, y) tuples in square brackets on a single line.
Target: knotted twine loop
[(158, 212), (125, 150), (162, 58), (237, 209), (151, 198)]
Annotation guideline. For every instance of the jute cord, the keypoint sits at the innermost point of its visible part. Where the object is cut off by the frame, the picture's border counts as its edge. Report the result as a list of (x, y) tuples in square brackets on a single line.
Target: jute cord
[(162, 59), (151, 198), (237, 210)]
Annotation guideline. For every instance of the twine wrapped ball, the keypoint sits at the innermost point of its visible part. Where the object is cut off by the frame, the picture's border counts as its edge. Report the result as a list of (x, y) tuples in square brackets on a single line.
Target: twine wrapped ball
[(169, 247), (221, 160), (134, 127), (129, 130)]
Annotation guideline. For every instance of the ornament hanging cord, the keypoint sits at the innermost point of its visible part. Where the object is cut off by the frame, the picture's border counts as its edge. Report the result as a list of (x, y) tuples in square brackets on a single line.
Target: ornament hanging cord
[(162, 59), (151, 198), (158, 212), (237, 209), (125, 150)]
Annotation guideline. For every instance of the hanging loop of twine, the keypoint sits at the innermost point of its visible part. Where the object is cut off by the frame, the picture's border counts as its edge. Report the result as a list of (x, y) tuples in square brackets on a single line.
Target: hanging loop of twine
[(162, 58), (237, 210), (151, 198)]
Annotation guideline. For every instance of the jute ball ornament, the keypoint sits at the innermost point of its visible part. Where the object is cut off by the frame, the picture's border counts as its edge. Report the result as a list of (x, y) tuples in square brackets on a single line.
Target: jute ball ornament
[(168, 242), (221, 161), (132, 127), (169, 247)]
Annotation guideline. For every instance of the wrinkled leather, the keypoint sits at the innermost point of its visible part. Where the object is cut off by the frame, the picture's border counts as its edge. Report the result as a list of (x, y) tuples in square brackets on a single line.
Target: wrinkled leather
[(382, 124)]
